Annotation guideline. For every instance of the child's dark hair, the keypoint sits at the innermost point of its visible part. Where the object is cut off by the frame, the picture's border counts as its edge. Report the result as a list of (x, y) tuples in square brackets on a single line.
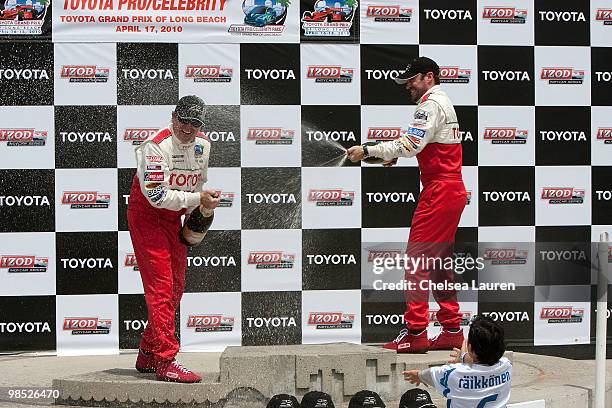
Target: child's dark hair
[(486, 337)]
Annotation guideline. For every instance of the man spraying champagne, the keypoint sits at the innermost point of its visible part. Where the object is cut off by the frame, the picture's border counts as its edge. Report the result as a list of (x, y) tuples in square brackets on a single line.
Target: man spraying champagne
[(433, 137), (172, 167)]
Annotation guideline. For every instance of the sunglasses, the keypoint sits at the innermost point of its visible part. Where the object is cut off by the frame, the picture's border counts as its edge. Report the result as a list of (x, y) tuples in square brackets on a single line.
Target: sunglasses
[(196, 123)]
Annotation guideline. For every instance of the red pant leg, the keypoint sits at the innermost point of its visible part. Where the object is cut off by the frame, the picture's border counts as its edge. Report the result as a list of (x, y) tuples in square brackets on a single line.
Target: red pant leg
[(432, 233), (179, 266), (153, 246)]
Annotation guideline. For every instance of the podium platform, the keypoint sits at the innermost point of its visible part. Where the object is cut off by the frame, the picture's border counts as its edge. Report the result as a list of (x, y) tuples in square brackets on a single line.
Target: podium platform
[(248, 376)]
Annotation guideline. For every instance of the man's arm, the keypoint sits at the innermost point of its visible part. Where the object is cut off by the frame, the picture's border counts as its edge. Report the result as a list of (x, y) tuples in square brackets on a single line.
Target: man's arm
[(417, 377), (423, 126), (426, 377), (154, 176)]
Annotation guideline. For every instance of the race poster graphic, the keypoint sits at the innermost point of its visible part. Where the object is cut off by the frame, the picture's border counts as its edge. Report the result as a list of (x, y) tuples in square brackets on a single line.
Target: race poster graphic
[(24, 19), (329, 20), (262, 18)]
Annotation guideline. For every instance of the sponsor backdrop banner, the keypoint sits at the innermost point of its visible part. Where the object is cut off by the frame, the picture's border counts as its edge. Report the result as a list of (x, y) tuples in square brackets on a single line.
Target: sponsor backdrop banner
[(290, 85)]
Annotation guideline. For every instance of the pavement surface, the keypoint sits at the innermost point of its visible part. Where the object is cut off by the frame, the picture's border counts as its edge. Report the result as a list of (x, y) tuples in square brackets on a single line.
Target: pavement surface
[(561, 382)]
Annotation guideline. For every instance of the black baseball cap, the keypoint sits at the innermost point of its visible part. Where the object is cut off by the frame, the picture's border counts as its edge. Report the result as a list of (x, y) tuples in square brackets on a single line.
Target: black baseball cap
[(416, 398), (190, 108), (366, 399), (317, 399), (283, 401), (419, 65)]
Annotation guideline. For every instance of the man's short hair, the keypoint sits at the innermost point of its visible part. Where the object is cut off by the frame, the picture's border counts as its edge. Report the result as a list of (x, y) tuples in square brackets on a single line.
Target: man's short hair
[(486, 337)]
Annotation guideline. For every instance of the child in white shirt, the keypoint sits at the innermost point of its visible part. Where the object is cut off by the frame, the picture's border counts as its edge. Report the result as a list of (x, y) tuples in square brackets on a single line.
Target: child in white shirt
[(478, 376)]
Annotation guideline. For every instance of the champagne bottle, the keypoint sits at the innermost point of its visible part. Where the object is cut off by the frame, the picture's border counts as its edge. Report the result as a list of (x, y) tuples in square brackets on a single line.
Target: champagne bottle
[(196, 226)]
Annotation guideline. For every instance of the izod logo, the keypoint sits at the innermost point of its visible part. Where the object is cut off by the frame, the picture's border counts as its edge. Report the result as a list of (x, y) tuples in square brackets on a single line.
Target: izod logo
[(562, 314), (384, 133), (84, 73), (331, 320), (556, 76), (329, 73), (130, 261), (505, 135), (23, 263), (210, 323), (563, 195), (87, 325), (466, 316), (604, 15), (226, 199), (375, 254), (270, 135), (504, 15), (86, 199), (331, 197), (455, 75), (506, 256), (208, 73), (389, 13), (138, 135), (23, 137), (271, 259)]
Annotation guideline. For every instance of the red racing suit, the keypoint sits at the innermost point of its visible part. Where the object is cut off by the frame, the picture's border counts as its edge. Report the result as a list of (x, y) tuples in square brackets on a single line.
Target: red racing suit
[(169, 177), (433, 137)]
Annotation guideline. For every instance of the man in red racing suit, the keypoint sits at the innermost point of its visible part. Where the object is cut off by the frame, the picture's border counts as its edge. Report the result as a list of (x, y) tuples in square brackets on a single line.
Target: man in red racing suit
[(171, 171), (433, 137)]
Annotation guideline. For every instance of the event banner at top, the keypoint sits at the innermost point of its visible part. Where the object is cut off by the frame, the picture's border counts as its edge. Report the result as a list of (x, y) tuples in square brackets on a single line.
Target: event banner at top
[(176, 21), (201, 21)]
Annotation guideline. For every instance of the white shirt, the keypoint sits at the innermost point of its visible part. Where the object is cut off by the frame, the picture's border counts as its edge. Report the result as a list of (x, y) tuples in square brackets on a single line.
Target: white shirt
[(434, 121), (172, 173), (472, 385)]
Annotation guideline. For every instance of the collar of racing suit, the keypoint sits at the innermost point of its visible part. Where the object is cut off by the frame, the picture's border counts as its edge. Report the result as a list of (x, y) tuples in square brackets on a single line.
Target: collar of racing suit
[(431, 90), (177, 143)]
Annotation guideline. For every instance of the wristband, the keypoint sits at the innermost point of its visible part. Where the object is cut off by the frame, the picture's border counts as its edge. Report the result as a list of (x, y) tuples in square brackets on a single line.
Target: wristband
[(463, 356), (366, 154)]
